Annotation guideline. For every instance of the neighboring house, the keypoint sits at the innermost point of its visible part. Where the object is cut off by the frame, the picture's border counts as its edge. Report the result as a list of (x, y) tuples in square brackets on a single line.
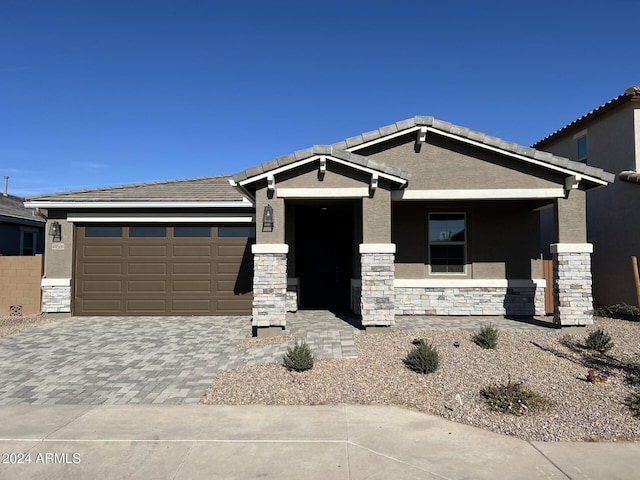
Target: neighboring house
[(21, 229), (421, 217), (609, 138)]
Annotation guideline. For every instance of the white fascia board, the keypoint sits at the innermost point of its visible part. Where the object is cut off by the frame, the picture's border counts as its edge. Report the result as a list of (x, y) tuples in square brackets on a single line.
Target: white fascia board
[(383, 139), (143, 205), (157, 218), (533, 161), (356, 192), (467, 283), (479, 194), (299, 163), (278, 170)]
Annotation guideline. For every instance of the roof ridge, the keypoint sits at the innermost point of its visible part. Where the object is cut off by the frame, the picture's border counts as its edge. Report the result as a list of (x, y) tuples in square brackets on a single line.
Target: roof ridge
[(628, 94)]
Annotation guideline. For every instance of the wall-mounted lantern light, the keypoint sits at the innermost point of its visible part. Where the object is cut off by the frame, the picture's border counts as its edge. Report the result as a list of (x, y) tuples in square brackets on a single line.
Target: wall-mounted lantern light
[(56, 231), (267, 219)]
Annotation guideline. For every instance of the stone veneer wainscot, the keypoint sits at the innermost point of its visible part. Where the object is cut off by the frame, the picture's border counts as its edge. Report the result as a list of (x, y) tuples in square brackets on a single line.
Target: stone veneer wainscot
[(377, 294), (56, 295), (572, 294), (269, 285)]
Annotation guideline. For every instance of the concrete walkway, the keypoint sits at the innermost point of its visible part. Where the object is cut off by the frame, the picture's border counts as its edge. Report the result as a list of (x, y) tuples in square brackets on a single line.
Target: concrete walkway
[(322, 442)]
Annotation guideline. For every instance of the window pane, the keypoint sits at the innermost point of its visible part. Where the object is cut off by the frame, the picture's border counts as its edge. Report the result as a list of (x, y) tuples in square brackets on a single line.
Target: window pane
[(147, 231), (446, 227), (192, 232), (109, 231), (242, 232), (582, 147), (446, 258)]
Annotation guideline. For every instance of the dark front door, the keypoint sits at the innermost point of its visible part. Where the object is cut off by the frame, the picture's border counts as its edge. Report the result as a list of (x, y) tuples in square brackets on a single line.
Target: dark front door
[(324, 245)]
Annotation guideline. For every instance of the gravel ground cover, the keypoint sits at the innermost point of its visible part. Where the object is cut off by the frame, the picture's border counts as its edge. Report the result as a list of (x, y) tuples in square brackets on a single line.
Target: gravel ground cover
[(553, 364), (11, 325)]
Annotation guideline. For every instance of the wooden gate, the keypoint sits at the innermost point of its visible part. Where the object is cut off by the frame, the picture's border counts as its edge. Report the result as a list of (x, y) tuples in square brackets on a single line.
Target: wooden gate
[(547, 274)]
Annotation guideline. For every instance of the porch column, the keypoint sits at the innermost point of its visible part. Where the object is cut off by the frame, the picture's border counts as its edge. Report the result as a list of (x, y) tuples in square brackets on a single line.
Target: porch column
[(377, 296), (269, 288), (572, 292)]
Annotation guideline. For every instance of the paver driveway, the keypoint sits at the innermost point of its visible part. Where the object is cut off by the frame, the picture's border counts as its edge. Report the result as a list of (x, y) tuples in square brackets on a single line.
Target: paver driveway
[(114, 360)]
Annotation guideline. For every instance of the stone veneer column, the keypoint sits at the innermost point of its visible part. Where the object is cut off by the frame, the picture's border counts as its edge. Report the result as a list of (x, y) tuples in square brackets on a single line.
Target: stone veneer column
[(377, 296), (269, 287), (572, 294), (56, 295)]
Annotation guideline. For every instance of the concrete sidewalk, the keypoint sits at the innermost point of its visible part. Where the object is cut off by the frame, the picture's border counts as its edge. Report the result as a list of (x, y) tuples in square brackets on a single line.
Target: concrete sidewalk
[(322, 442)]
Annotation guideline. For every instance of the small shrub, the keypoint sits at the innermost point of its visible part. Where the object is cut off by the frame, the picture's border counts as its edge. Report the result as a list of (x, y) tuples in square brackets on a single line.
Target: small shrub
[(423, 358), (486, 337), (633, 402), (513, 398), (594, 377), (299, 358), (619, 310), (599, 340)]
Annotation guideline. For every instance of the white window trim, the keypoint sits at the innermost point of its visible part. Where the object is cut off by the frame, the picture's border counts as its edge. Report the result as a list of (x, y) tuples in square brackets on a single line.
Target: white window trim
[(466, 236)]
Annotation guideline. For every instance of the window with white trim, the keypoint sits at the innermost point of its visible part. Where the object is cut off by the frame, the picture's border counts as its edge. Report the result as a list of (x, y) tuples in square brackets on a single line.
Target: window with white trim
[(447, 243)]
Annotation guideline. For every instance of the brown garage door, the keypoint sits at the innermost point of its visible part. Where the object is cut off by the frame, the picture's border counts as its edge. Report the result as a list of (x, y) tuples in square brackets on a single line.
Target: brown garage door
[(163, 270)]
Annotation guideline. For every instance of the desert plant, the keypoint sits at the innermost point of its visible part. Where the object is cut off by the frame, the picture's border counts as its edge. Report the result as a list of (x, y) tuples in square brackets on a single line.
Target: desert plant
[(595, 377), (599, 340), (423, 358), (513, 398), (486, 337), (298, 358), (633, 402), (619, 310)]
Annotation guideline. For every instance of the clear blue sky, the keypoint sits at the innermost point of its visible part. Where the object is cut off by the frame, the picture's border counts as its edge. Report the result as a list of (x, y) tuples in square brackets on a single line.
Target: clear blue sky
[(96, 93)]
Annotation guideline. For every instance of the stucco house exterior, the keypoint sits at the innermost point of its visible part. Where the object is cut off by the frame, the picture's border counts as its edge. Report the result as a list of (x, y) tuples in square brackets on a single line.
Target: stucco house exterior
[(608, 137), (421, 217), (21, 229)]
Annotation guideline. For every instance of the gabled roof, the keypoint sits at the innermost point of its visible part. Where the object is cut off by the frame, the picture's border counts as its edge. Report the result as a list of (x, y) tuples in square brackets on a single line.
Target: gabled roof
[(346, 149), (12, 207), (203, 190), (630, 94)]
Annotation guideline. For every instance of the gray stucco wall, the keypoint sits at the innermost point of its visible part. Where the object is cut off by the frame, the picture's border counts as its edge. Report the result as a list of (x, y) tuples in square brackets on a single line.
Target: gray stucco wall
[(444, 164), (613, 219), (502, 239), (58, 263)]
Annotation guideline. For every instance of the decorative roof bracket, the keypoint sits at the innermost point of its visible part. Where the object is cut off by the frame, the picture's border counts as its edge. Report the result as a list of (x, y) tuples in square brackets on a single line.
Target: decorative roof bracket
[(271, 183), (571, 183)]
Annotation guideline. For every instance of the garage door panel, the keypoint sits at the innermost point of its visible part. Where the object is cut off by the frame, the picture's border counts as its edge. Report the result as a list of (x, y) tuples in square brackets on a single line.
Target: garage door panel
[(159, 251), (102, 268), (146, 286), (92, 286), (162, 276), (146, 268), (201, 286), (196, 251), (191, 268)]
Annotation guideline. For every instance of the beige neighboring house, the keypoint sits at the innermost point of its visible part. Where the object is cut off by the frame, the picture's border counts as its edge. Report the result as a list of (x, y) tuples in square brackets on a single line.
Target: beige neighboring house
[(608, 138), (420, 217)]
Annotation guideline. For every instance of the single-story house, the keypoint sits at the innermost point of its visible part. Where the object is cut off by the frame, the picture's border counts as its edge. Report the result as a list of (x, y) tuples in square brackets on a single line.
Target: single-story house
[(21, 229), (420, 217)]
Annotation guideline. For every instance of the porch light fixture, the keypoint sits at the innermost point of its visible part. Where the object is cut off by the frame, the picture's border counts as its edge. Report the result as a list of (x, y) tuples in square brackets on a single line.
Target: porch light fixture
[(56, 231), (267, 219)]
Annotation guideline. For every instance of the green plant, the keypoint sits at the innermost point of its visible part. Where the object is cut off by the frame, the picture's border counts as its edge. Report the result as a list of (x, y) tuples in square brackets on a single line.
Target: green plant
[(619, 310), (298, 358), (423, 358), (599, 340), (486, 337), (633, 402), (513, 398)]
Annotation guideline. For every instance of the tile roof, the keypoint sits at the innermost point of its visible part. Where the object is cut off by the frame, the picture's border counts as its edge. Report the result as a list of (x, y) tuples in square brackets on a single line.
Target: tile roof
[(203, 189), (630, 176), (631, 93), (13, 207), (339, 148)]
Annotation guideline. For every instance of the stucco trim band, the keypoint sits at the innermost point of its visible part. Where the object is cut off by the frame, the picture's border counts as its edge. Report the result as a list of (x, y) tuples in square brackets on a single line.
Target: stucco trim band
[(356, 192), (571, 248), (55, 282), (270, 248), (468, 283), (163, 218), (377, 248), (481, 193)]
